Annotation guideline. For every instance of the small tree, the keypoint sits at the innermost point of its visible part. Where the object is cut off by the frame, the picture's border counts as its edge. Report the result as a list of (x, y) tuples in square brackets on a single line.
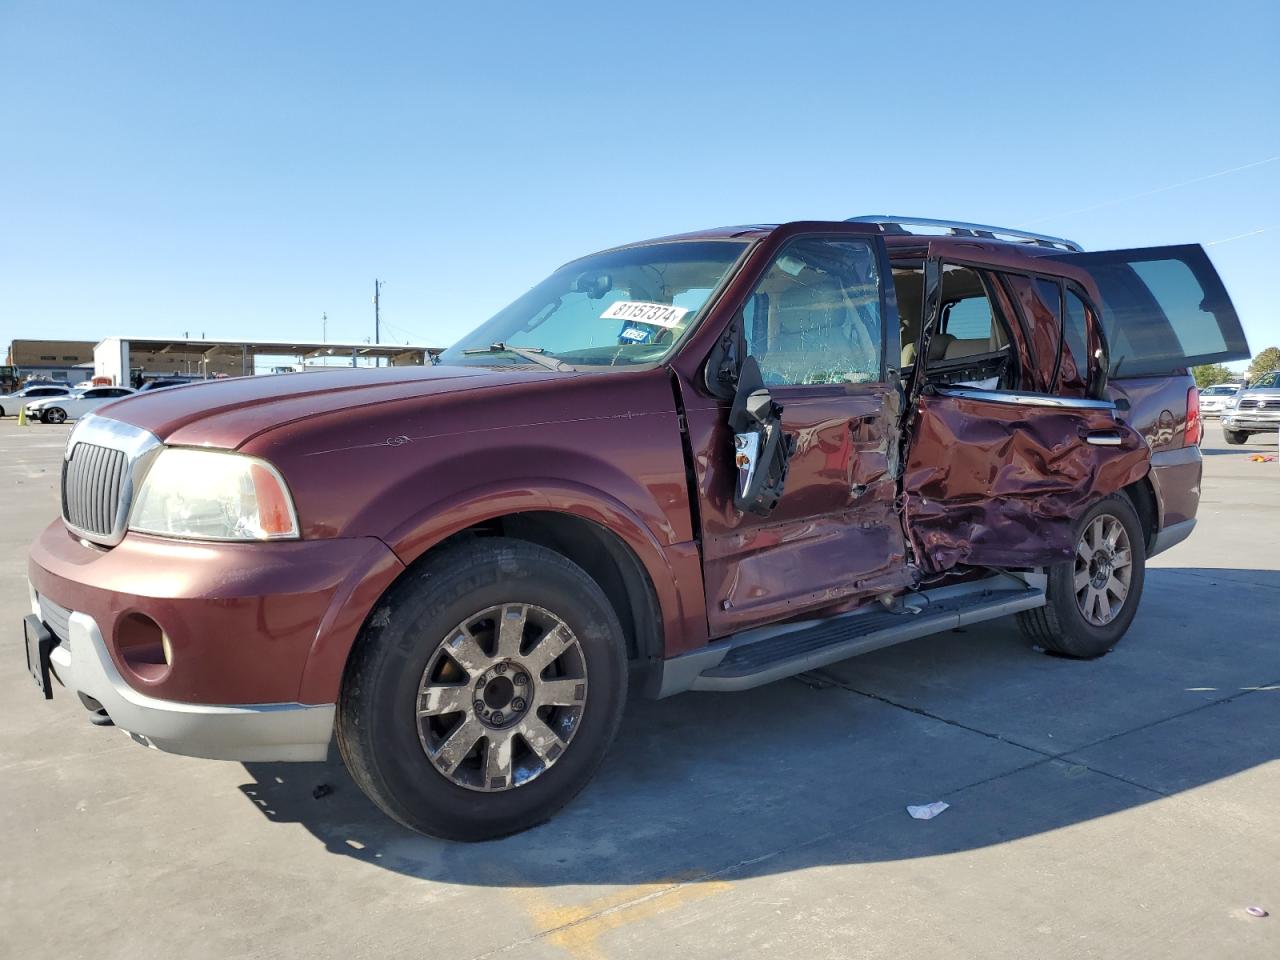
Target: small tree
[(1265, 362), (1210, 374)]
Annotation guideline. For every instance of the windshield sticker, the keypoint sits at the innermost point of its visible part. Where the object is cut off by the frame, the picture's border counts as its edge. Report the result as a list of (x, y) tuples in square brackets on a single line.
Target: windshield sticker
[(635, 334), (638, 311)]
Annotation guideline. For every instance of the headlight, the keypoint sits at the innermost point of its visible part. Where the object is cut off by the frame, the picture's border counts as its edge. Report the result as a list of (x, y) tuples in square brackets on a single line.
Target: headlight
[(213, 495), (1231, 401)]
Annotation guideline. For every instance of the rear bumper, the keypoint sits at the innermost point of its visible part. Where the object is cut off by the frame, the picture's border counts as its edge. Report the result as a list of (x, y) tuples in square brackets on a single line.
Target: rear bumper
[(1175, 479), (261, 731), (1171, 535)]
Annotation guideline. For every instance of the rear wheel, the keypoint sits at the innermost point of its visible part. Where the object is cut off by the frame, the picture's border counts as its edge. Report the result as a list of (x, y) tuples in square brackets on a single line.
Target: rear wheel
[(1235, 437), (1092, 599), (54, 415), (484, 691)]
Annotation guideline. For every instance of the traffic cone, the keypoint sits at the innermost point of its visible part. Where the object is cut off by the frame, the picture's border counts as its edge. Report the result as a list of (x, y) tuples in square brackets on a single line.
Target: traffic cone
[(22, 415)]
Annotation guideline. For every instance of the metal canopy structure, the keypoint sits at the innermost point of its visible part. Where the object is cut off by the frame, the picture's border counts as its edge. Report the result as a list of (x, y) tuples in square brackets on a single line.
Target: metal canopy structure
[(115, 357)]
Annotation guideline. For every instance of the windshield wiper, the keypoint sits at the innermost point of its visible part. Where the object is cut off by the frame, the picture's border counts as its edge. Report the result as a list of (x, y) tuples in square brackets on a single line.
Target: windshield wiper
[(536, 355)]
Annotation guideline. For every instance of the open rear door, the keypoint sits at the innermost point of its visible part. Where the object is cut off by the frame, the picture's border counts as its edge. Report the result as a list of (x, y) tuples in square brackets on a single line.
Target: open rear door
[(999, 477), (1164, 309)]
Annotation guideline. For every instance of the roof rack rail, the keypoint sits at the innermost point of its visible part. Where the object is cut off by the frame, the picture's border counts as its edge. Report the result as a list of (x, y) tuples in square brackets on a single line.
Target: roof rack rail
[(958, 228)]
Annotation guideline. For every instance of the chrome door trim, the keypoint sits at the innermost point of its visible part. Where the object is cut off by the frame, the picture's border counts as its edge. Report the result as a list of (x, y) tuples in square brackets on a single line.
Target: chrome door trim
[(1014, 398)]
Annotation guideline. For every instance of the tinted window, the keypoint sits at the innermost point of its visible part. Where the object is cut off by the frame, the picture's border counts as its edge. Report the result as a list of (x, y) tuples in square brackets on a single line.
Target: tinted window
[(969, 319), (1163, 309), (815, 315), (1075, 330)]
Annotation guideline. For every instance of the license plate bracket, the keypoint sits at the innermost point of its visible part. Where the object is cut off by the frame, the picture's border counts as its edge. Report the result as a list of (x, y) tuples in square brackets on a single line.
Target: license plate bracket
[(40, 643)]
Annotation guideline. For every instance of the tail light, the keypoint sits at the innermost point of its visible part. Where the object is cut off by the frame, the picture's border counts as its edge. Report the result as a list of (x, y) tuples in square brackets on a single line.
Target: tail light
[(1193, 418)]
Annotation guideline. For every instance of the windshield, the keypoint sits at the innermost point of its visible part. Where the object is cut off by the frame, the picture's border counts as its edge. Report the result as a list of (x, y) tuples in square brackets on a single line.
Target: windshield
[(1220, 391), (611, 309), (1267, 380)]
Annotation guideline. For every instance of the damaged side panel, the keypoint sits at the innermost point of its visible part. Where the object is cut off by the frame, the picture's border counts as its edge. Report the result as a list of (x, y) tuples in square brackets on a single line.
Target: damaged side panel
[(833, 538), (991, 482)]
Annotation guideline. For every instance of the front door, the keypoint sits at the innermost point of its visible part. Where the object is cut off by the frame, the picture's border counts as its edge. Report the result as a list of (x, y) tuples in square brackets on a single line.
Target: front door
[(817, 321)]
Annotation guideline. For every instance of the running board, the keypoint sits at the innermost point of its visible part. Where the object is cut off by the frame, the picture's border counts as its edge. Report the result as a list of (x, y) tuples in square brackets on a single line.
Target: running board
[(760, 656)]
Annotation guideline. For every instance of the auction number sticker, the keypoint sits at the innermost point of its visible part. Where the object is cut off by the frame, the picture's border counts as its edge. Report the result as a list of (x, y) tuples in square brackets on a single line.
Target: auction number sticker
[(659, 314)]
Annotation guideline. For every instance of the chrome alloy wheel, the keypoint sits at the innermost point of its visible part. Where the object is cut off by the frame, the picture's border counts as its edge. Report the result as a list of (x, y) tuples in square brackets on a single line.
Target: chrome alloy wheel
[(502, 697), (1104, 565)]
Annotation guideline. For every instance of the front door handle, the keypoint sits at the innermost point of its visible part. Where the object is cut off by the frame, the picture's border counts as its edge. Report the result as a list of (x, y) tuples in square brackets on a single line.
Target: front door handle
[(1104, 438)]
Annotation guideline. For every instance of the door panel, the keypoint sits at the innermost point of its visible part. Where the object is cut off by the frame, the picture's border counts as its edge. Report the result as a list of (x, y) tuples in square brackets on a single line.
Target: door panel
[(998, 479), (815, 316), (1163, 309), (834, 535)]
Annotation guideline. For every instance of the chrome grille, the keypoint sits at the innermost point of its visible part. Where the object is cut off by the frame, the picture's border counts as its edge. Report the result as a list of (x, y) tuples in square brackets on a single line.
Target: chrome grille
[(92, 481), (1252, 403), (104, 460)]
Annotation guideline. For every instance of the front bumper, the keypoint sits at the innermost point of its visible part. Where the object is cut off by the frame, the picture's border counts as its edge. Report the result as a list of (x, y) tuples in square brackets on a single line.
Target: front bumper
[(254, 636), (260, 731), (1251, 420)]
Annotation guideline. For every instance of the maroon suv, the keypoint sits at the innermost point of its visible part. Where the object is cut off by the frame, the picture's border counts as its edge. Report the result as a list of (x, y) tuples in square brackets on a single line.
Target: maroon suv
[(720, 458)]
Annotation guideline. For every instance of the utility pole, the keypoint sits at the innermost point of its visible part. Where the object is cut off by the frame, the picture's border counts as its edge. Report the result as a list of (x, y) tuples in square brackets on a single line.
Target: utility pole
[(377, 318), (324, 328)]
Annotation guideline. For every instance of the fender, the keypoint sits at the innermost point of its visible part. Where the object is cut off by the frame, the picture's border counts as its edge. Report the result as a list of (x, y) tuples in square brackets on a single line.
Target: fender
[(674, 569)]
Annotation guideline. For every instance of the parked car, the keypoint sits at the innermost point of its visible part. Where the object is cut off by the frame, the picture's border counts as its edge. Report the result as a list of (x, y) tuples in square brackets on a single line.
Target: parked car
[(1213, 399), (163, 382), (75, 404), (1255, 409), (720, 458), (11, 403)]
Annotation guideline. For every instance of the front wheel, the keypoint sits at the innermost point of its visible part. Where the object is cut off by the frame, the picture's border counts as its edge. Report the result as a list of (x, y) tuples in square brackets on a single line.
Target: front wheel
[(1092, 599), (1234, 437), (54, 415), (484, 690)]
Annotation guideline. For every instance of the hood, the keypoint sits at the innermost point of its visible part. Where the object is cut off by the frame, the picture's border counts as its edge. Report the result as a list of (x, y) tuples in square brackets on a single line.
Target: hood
[(228, 413)]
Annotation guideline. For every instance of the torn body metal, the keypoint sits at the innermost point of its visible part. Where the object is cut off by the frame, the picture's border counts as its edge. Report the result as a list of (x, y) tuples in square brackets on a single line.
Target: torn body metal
[(996, 484)]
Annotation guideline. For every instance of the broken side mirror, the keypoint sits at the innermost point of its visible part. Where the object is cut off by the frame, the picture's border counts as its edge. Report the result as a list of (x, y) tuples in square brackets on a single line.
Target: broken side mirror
[(761, 450)]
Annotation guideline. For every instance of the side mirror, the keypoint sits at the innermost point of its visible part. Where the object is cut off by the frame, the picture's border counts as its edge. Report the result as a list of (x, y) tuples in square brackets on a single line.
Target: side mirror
[(759, 405), (761, 450)]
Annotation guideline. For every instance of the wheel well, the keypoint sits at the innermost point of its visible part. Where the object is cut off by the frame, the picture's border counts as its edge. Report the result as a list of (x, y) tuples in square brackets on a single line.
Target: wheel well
[(603, 555), (1143, 497)]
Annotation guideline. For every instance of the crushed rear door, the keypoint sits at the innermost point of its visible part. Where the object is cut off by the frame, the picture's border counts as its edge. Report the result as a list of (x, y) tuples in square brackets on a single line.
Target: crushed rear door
[(1164, 309)]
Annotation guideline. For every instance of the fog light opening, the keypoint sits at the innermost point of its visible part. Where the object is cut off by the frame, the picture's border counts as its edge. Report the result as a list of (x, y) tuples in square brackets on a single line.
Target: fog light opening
[(144, 647)]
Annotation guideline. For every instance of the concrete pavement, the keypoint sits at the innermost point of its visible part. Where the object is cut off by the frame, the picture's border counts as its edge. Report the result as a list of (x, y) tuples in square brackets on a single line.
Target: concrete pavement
[(1126, 807)]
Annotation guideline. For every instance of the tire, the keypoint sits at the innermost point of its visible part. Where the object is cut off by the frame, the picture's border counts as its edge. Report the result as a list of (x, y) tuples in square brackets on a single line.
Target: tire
[(1062, 624), (412, 657), (1235, 437), (2, 413), (54, 415)]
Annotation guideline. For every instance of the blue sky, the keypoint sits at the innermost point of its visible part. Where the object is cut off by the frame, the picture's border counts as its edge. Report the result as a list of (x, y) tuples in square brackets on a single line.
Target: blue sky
[(238, 169)]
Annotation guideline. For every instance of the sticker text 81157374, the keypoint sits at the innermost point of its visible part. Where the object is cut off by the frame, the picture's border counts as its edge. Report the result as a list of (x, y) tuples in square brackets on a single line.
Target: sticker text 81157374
[(659, 314)]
